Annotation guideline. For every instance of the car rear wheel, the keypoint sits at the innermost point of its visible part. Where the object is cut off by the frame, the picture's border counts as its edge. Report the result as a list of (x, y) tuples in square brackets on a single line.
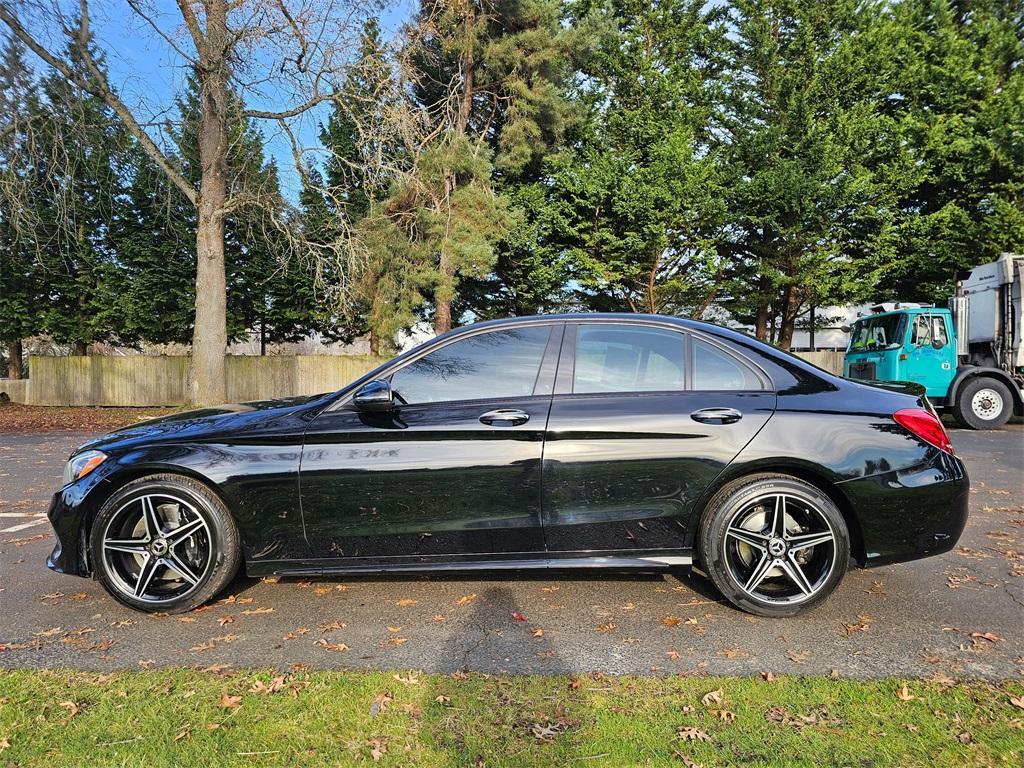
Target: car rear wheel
[(774, 545), (983, 403), (164, 543)]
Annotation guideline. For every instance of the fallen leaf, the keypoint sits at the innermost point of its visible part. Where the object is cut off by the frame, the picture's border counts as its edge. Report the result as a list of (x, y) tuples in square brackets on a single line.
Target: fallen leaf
[(798, 657), (723, 714), (673, 655), (49, 632), (406, 602), (714, 697), (546, 732), (377, 749), (466, 599), (768, 677), (411, 679), (225, 620), (671, 621), (903, 694), (987, 636), (325, 628), (256, 611), (72, 708), (518, 616), (230, 702), (1017, 701), (337, 647), (732, 653), (442, 699), (207, 646), (688, 733), (537, 632), (605, 627)]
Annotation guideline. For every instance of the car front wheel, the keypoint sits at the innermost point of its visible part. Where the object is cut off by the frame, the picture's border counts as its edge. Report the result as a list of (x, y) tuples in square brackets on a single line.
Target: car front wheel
[(164, 543), (773, 544)]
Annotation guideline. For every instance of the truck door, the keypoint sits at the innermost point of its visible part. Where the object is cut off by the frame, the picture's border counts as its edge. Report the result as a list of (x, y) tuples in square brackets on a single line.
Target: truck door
[(931, 358)]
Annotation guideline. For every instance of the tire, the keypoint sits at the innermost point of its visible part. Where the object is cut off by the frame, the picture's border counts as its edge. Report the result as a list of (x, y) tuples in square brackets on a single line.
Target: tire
[(983, 403), (739, 540), (192, 556)]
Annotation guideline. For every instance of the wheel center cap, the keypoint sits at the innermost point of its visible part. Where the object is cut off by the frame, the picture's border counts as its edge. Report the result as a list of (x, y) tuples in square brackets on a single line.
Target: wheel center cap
[(158, 547), (776, 547)]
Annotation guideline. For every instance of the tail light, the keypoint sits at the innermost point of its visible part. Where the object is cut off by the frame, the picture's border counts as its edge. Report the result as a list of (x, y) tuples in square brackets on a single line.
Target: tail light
[(925, 425)]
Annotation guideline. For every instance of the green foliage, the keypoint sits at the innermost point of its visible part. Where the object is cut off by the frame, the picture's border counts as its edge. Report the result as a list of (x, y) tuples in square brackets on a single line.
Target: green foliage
[(80, 155), (638, 205), (20, 291)]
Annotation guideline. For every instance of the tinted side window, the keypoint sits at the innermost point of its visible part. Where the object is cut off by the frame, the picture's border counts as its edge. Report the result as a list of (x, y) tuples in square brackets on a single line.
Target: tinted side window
[(494, 364), (715, 369), (627, 358)]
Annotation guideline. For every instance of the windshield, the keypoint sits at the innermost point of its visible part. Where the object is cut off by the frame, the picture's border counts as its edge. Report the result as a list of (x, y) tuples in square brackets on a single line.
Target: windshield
[(881, 332)]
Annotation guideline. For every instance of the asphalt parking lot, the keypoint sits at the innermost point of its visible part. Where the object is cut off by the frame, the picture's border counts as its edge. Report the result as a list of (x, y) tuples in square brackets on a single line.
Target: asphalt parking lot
[(957, 615)]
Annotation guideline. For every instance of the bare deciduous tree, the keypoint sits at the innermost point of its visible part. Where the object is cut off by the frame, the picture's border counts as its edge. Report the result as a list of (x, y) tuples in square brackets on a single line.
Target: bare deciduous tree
[(286, 53)]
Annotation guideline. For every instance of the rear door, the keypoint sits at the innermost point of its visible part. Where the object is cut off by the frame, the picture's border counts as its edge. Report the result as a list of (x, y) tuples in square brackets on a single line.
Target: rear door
[(643, 418)]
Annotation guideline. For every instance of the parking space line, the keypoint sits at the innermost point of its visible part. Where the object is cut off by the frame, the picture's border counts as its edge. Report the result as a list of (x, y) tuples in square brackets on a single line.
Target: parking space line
[(23, 526), (22, 514)]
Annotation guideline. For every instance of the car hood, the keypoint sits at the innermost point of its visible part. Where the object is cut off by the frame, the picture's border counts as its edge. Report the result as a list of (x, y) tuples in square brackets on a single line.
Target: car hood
[(203, 423)]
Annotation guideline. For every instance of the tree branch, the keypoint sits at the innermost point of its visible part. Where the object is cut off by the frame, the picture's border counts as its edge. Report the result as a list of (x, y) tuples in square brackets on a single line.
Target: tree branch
[(101, 90)]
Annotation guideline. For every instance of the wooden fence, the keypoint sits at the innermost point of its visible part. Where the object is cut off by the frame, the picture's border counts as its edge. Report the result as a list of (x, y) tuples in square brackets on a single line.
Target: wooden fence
[(153, 381)]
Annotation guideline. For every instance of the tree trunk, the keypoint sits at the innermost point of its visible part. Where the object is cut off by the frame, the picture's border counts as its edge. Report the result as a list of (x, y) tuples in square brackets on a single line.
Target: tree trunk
[(374, 342), (14, 354), (761, 323), (207, 375), (79, 348), (790, 308), (443, 297)]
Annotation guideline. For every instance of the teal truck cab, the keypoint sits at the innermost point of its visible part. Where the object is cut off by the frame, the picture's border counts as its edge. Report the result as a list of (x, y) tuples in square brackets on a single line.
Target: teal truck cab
[(969, 357)]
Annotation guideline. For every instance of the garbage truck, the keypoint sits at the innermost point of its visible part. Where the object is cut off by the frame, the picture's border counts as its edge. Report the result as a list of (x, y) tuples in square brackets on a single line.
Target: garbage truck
[(969, 356)]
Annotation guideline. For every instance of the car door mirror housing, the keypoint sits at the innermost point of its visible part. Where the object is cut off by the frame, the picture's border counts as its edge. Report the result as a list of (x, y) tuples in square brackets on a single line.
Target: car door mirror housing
[(375, 397)]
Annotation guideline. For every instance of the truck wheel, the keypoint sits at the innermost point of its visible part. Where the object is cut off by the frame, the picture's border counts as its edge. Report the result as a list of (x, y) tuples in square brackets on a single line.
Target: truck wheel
[(983, 403)]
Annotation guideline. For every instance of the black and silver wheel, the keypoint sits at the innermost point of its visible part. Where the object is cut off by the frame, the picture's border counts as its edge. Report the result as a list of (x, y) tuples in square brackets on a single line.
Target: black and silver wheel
[(164, 543), (773, 544), (983, 403)]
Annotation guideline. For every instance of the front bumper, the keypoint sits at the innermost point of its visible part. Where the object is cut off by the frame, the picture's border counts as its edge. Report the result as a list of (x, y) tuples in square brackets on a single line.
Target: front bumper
[(69, 515), (909, 514)]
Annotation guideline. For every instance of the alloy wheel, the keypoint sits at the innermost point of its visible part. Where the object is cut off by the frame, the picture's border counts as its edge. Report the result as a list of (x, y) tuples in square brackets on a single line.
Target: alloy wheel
[(780, 549), (157, 547)]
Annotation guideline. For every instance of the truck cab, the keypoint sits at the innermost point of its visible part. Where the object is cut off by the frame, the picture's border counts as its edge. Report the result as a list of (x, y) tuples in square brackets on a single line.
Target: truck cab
[(905, 344), (969, 358)]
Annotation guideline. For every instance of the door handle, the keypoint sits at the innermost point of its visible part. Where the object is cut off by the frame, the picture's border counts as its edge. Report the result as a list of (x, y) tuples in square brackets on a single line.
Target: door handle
[(505, 417), (716, 415)]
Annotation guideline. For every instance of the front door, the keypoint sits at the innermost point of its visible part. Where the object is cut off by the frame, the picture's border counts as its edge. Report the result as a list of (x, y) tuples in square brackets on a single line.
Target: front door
[(643, 419), (931, 359), (453, 473)]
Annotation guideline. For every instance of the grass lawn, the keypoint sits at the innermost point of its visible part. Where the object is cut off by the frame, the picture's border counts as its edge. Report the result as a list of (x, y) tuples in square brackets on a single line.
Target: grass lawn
[(209, 718)]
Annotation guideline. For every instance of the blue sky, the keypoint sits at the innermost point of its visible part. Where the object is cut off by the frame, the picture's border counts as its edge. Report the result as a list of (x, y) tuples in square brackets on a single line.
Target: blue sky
[(148, 74)]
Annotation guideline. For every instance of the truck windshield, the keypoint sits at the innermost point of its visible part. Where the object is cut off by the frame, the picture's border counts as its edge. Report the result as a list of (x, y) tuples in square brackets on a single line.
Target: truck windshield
[(880, 332)]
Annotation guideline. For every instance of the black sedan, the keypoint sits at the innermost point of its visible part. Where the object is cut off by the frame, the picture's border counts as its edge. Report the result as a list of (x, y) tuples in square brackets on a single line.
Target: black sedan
[(560, 441)]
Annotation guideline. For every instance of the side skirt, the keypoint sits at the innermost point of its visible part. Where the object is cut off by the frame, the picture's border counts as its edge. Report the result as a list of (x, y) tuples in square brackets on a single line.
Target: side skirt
[(299, 568)]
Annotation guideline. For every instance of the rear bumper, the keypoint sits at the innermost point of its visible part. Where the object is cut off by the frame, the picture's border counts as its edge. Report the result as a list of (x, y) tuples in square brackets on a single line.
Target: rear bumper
[(909, 514)]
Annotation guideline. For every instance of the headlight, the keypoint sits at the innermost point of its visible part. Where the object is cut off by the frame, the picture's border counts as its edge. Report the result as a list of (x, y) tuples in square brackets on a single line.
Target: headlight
[(82, 464)]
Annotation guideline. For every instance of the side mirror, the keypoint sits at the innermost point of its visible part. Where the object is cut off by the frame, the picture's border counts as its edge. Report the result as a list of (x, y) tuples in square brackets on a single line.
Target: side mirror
[(938, 343), (375, 397)]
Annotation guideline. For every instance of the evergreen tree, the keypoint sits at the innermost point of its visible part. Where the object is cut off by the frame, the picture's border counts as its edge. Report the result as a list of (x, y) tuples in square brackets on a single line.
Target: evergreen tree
[(637, 208), (81, 159), (19, 283), (957, 92), (815, 168)]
